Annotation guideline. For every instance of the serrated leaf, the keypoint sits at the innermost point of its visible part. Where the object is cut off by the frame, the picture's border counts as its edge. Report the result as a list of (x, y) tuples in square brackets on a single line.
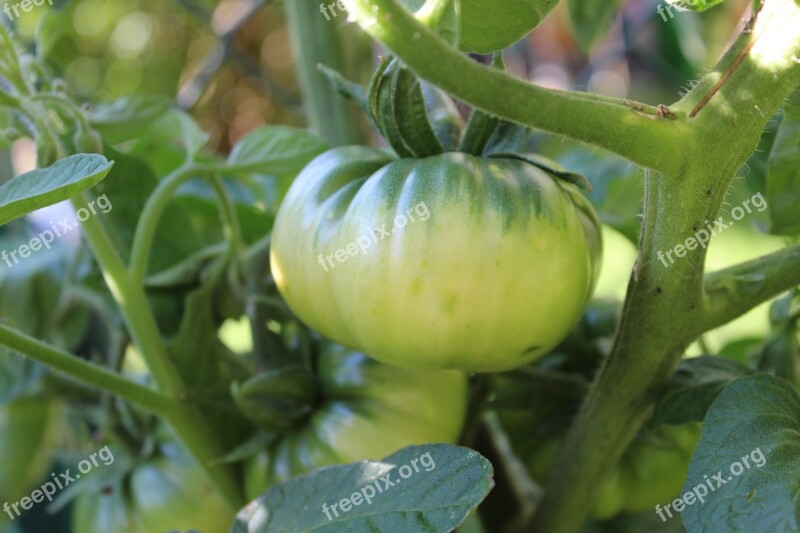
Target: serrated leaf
[(489, 25), (693, 388), (275, 150), (448, 483), (783, 178), (755, 420), (47, 186), (591, 19)]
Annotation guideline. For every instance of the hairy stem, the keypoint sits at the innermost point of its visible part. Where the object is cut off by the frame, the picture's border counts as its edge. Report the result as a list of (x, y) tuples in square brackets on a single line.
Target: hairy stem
[(186, 420), (151, 216), (661, 308), (317, 38), (734, 291), (643, 134), (134, 307)]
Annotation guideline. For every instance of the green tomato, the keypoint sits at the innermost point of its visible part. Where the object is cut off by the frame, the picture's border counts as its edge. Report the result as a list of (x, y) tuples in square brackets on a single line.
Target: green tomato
[(651, 472), (159, 494), (367, 411), (452, 261), (29, 430)]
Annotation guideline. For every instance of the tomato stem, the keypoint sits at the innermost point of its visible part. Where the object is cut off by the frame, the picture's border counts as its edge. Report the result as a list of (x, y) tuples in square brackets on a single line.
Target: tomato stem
[(322, 38), (86, 372), (642, 133)]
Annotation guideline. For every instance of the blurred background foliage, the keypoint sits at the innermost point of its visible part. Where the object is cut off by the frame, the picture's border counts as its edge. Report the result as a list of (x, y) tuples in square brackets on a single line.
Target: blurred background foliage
[(230, 62)]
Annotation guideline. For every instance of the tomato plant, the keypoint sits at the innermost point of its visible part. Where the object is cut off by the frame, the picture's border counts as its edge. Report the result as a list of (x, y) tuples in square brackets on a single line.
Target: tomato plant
[(399, 265)]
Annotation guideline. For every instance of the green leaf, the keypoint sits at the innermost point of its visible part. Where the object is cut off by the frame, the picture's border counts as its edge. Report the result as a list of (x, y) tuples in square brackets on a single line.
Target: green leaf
[(781, 355), (783, 179), (204, 363), (489, 25), (755, 420), (591, 19), (275, 150), (127, 117), (47, 186), (693, 388), (430, 488)]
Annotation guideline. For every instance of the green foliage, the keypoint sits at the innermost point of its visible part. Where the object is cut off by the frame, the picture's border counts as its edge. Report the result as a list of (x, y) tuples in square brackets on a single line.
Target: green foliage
[(47, 186), (783, 187), (753, 424), (429, 498), (485, 27)]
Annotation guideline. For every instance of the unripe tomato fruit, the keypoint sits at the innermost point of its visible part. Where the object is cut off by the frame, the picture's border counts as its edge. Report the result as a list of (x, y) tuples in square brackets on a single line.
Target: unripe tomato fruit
[(452, 261), (366, 411), (651, 472)]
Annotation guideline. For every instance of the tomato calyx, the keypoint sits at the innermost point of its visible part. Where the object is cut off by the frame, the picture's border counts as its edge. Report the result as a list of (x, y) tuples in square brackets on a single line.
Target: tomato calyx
[(278, 399), (419, 120)]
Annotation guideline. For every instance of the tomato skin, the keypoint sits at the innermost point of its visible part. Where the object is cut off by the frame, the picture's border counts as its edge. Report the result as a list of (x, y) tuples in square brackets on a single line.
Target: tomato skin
[(493, 271), (160, 494), (368, 411), (651, 472), (29, 429)]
